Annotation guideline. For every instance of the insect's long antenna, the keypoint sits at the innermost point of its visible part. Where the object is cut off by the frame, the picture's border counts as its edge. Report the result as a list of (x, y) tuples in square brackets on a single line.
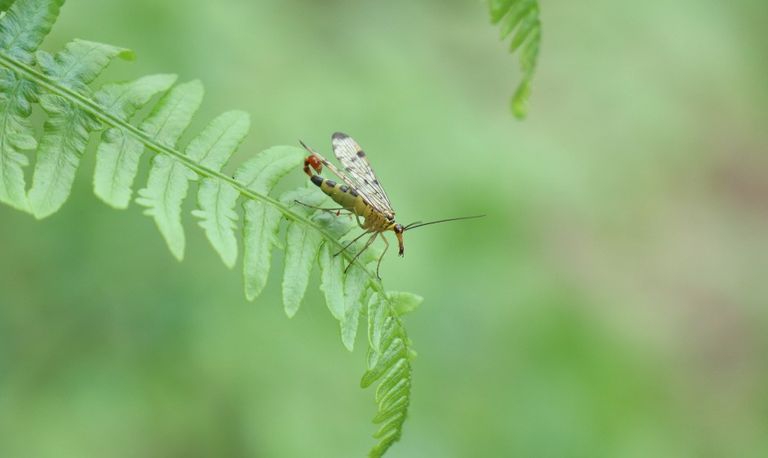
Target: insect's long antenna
[(419, 223)]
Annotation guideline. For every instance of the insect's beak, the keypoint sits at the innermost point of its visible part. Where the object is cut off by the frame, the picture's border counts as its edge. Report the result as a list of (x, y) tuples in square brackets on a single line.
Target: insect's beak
[(400, 242)]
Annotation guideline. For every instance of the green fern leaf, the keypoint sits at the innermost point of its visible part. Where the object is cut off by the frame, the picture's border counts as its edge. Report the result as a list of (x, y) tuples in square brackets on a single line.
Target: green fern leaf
[(404, 302), (260, 236), (80, 62), (166, 189), (343, 291), (168, 181), (117, 158), (22, 29), (355, 287), (356, 291), (25, 25), (16, 135), (521, 17), (213, 149), (336, 227), (332, 281), (392, 352), (220, 139), (388, 361), (260, 174), (302, 247), (61, 85), (332, 267), (217, 202), (65, 133)]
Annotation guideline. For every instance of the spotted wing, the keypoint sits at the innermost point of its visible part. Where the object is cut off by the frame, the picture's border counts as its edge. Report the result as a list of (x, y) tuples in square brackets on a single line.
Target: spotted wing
[(356, 164)]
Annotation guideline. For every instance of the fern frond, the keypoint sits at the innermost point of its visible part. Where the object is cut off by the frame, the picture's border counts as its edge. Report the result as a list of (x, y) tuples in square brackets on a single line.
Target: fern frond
[(213, 148), (522, 18), (302, 246), (168, 179), (118, 154), (66, 130), (355, 290), (332, 281), (389, 363), (261, 220), (22, 29), (62, 85), (25, 25), (16, 135)]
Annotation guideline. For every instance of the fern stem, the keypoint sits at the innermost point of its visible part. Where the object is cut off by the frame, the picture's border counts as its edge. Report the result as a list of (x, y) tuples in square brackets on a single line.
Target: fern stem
[(392, 429), (100, 113)]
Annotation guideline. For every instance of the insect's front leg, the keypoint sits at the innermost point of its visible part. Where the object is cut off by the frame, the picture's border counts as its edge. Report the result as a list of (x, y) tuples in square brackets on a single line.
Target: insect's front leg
[(378, 264), (350, 243)]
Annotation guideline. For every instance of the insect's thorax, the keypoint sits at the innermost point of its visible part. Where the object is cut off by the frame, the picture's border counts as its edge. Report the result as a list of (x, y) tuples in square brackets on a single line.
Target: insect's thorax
[(377, 221)]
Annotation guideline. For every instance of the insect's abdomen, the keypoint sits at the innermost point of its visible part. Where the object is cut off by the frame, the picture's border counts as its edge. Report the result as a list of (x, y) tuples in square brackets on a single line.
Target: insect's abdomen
[(343, 195)]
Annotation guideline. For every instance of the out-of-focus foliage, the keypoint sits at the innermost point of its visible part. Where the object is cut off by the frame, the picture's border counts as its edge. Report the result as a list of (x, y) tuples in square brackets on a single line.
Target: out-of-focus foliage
[(522, 18), (612, 304)]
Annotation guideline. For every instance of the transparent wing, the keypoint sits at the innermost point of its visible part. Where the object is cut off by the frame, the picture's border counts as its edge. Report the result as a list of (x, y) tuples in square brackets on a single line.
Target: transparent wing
[(356, 164), (348, 181)]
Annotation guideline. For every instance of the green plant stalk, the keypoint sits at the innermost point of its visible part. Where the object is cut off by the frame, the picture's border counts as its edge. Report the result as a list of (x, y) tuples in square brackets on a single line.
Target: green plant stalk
[(100, 113), (97, 111)]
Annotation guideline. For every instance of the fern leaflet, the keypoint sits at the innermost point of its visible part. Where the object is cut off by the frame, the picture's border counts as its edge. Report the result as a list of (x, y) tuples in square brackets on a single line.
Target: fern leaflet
[(217, 201), (389, 361), (522, 18), (62, 85), (117, 158), (302, 247), (22, 30)]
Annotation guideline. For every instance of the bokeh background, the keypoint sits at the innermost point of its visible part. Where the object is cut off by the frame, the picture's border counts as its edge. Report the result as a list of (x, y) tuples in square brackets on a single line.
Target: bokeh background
[(612, 304)]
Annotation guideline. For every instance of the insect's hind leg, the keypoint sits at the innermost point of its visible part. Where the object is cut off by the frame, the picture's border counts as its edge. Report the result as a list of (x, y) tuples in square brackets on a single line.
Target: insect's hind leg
[(336, 210), (357, 255)]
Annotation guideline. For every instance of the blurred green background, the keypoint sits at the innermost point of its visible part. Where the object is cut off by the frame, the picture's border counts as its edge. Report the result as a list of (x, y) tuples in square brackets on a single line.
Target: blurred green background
[(612, 304)]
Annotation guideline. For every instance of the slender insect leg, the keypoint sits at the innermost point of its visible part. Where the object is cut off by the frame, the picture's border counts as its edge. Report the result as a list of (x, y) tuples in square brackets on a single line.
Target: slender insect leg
[(367, 244), (336, 210), (350, 243), (386, 247), (357, 217)]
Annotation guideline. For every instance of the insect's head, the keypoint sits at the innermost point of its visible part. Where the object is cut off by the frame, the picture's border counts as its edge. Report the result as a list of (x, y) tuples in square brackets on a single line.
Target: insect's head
[(399, 229)]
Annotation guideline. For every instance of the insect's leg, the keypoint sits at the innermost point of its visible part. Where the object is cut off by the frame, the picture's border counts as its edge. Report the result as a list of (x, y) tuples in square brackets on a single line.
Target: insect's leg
[(378, 264), (357, 217), (336, 210), (350, 243), (367, 244)]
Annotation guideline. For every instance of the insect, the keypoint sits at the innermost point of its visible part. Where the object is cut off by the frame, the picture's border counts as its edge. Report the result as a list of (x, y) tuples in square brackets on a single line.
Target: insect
[(360, 194)]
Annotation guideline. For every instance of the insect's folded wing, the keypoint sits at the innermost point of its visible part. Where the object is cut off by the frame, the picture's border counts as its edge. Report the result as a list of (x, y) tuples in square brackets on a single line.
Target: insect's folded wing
[(356, 165)]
